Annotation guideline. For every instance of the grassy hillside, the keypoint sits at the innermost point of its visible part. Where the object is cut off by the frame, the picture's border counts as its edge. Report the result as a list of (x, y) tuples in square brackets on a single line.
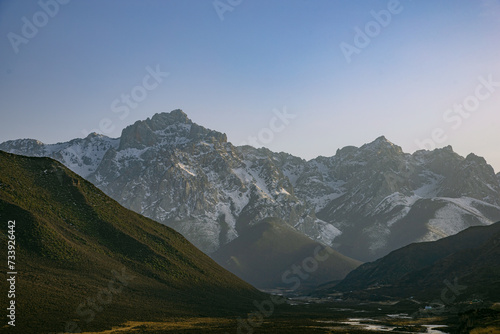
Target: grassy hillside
[(270, 249), (83, 260)]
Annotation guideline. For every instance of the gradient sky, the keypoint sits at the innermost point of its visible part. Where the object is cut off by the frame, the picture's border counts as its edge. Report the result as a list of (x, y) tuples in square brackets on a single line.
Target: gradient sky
[(230, 74)]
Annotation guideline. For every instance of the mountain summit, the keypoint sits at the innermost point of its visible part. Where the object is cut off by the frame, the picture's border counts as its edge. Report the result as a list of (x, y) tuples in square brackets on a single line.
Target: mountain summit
[(381, 143), (166, 129), (363, 201)]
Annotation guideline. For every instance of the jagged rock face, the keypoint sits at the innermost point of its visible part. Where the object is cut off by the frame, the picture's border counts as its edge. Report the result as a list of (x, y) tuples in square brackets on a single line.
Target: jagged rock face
[(383, 199), (191, 178), (364, 201)]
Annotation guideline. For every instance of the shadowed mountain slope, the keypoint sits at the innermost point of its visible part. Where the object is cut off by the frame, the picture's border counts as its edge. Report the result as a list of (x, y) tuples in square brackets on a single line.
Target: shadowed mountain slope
[(267, 253), (469, 259)]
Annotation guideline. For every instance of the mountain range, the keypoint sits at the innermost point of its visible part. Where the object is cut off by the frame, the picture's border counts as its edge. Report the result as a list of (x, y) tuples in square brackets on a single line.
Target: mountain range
[(363, 202), (85, 263)]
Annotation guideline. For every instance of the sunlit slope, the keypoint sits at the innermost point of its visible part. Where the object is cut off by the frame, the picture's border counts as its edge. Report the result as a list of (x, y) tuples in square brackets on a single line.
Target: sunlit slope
[(84, 260)]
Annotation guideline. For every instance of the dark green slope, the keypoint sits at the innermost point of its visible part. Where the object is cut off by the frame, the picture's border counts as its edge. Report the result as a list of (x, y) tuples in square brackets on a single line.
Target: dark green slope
[(471, 258), (476, 270), (269, 249), (75, 246)]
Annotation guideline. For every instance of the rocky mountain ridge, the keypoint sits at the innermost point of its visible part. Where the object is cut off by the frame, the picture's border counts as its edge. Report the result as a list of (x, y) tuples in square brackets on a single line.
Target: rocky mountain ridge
[(364, 202)]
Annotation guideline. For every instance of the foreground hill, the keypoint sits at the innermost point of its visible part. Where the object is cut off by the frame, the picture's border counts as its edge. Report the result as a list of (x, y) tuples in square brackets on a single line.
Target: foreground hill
[(267, 253), (363, 201), (84, 262), (466, 263)]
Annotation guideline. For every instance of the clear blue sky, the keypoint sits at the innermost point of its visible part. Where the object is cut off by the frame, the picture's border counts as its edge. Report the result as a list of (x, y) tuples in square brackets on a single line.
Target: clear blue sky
[(230, 74)]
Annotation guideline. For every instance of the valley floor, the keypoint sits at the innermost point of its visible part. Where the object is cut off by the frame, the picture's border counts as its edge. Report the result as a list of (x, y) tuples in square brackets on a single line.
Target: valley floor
[(319, 318), (275, 326)]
